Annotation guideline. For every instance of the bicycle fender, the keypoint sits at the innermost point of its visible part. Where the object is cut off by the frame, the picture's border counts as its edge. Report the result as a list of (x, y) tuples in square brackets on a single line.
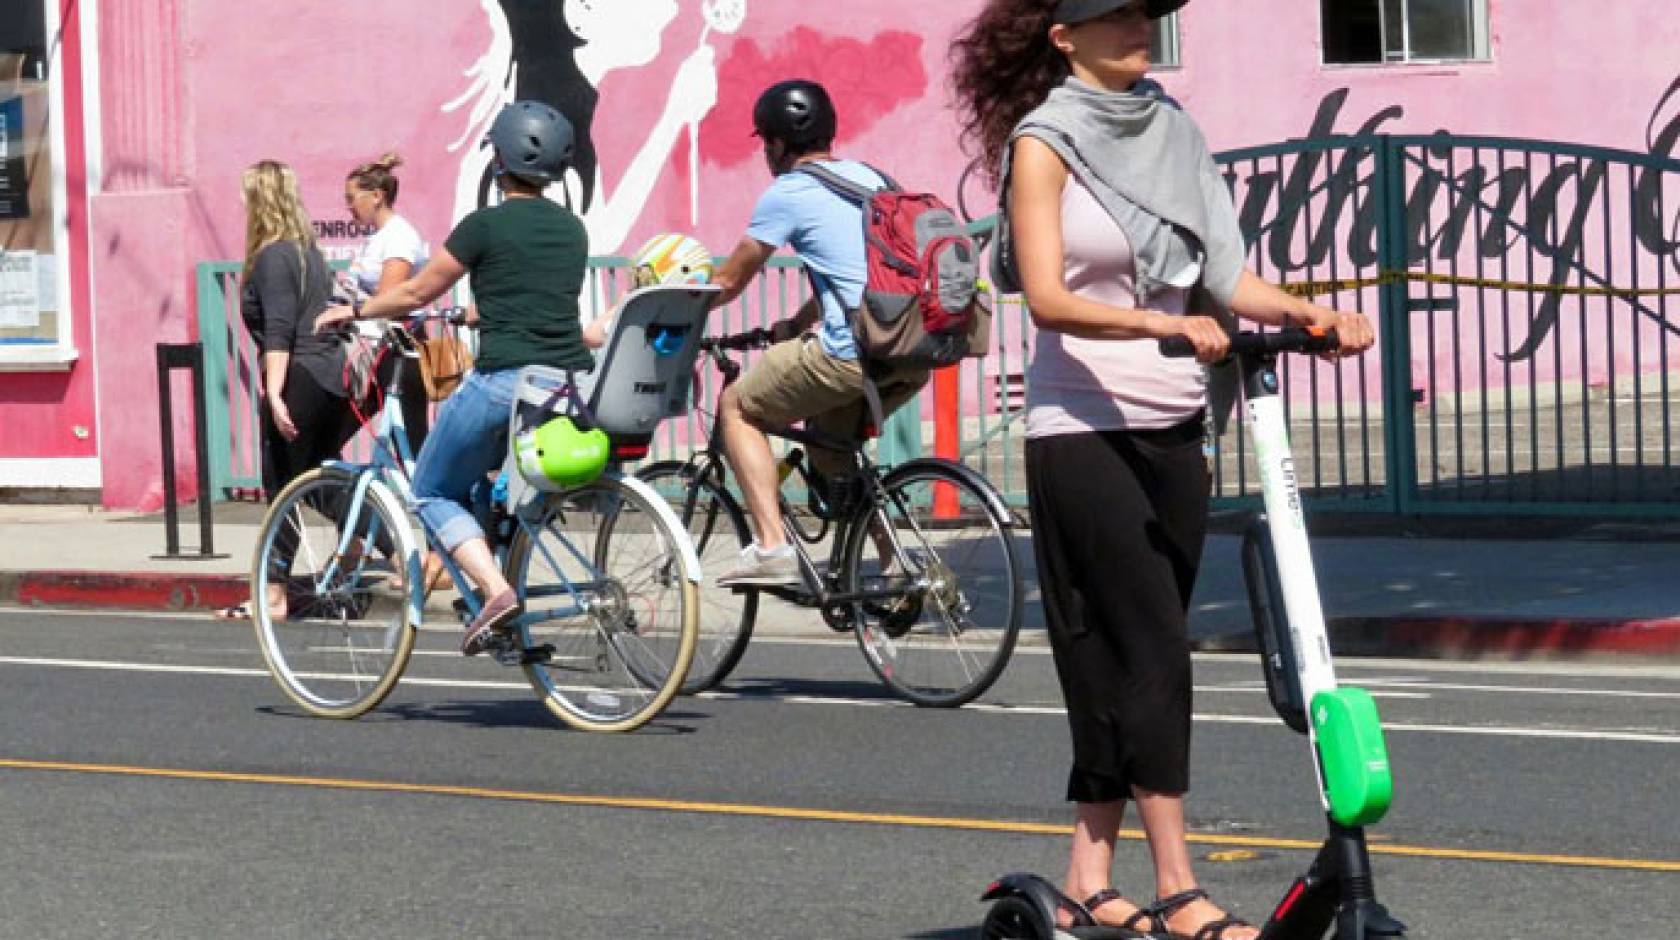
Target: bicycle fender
[(690, 557), (994, 500)]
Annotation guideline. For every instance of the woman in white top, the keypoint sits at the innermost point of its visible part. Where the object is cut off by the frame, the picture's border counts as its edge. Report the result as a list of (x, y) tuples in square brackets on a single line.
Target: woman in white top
[(1121, 234), (392, 255)]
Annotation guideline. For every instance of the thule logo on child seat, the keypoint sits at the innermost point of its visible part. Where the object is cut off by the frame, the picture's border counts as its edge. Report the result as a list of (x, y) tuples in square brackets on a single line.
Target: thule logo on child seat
[(649, 388)]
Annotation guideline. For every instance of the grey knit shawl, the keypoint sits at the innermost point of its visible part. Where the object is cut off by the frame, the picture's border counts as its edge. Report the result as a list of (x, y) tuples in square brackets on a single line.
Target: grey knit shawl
[(1148, 165)]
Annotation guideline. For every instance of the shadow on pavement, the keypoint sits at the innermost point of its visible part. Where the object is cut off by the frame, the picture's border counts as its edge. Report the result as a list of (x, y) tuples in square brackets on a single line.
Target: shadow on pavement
[(496, 713)]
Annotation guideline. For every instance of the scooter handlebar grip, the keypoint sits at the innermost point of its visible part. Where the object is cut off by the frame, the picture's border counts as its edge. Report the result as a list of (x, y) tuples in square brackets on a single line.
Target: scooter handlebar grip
[(1177, 347)]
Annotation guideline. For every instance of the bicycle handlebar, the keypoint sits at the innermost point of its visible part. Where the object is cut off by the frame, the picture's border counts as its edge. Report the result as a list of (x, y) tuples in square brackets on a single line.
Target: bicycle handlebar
[(1292, 339), (454, 316), (756, 338)]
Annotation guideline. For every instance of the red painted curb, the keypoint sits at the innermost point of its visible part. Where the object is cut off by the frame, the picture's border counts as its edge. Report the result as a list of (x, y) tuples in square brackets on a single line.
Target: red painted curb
[(1484, 637), (130, 591), (1498, 635)]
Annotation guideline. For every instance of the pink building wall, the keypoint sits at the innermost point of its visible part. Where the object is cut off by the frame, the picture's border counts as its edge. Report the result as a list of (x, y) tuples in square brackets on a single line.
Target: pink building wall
[(192, 91)]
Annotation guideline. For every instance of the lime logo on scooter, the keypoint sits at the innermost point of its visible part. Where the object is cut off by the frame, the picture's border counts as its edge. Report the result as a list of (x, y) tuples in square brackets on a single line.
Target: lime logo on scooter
[(1273, 455)]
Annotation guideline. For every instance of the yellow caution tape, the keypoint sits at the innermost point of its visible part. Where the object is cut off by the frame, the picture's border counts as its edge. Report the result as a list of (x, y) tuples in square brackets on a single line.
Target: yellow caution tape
[(1384, 278), (1313, 288)]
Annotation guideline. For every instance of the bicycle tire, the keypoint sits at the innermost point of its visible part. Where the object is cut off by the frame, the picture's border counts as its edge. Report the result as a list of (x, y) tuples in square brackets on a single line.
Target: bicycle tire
[(618, 662), (727, 617), (906, 646), (327, 620)]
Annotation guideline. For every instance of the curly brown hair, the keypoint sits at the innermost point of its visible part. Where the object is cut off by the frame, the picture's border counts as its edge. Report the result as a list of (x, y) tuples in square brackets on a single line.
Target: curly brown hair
[(1002, 66)]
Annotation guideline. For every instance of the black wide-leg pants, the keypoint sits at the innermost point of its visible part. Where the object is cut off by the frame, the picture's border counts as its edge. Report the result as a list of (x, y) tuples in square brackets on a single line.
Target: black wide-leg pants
[(1118, 522)]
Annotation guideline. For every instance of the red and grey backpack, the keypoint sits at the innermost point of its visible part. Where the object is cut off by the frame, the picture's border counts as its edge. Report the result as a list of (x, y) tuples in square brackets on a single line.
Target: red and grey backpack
[(921, 302)]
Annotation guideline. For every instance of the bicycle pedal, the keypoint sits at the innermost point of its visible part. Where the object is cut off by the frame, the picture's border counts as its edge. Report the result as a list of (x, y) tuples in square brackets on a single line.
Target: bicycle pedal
[(537, 655), (505, 652), (461, 609)]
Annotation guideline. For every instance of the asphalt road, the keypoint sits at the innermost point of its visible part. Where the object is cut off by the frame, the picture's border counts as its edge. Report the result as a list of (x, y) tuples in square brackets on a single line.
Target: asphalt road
[(155, 783)]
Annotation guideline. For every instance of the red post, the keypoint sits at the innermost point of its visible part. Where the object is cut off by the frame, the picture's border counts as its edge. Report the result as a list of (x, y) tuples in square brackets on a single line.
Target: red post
[(947, 434)]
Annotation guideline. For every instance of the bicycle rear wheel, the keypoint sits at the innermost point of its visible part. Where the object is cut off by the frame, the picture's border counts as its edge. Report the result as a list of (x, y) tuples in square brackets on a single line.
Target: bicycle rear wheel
[(719, 530), (610, 613), (345, 564), (940, 535)]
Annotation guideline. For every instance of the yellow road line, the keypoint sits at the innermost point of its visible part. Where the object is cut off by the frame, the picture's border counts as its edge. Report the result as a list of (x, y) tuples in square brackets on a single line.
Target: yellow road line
[(800, 813)]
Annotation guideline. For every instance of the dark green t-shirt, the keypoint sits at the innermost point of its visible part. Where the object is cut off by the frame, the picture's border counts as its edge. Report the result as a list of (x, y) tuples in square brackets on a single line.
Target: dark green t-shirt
[(527, 260)]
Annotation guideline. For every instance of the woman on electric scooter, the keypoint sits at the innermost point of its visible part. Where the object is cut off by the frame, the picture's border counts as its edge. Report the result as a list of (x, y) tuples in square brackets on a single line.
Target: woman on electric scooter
[(1116, 225), (527, 257)]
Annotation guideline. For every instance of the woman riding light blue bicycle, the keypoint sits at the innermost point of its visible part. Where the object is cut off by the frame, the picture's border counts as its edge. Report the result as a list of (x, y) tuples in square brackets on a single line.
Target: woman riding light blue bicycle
[(591, 587), (527, 259)]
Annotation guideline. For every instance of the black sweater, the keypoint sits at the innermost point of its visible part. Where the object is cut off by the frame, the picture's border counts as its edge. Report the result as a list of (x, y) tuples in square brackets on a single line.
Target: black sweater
[(279, 308)]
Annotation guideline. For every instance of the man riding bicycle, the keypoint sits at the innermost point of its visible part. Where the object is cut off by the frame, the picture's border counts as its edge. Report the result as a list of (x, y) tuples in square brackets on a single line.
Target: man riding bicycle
[(815, 376)]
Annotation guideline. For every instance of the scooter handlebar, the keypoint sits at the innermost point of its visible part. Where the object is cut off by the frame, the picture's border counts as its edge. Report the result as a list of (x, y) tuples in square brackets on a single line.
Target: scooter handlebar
[(1291, 339)]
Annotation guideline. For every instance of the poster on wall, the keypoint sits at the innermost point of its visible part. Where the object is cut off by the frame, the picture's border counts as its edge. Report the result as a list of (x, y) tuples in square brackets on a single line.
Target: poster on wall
[(14, 172), (20, 290)]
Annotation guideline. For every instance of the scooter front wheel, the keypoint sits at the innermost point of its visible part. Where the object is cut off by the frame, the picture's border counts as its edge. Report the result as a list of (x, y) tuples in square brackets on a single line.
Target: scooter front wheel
[(1015, 918)]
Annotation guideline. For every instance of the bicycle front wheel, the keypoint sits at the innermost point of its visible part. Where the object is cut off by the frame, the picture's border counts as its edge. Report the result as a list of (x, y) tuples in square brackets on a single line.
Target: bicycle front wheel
[(610, 612), (719, 530), (940, 542), (344, 561)]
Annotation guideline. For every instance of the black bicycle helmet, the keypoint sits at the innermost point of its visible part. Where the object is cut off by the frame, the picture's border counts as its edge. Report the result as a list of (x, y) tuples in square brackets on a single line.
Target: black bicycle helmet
[(533, 141), (797, 112), (1070, 12)]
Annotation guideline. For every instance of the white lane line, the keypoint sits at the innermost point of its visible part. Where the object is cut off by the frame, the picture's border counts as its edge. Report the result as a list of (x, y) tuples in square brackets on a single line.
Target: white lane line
[(1611, 670), (983, 707)]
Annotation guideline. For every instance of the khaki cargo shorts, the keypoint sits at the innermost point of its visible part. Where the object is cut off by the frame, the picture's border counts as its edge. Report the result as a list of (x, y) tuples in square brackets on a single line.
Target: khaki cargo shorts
[(798, 381)]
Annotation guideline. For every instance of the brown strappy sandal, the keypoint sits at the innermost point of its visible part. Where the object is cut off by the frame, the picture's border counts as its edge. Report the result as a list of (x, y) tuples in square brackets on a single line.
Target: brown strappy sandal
[(1212, 930), (1141, 924)]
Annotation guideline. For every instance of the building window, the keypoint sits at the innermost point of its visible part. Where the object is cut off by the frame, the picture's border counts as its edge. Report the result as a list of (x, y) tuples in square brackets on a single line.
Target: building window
[(1376, 31), (1165, 49), (34, 315)]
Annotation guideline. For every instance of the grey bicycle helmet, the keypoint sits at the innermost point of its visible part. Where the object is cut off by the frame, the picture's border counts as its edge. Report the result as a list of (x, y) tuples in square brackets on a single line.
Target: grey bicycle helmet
[(797, 112), (532, 141), (1069, 12)]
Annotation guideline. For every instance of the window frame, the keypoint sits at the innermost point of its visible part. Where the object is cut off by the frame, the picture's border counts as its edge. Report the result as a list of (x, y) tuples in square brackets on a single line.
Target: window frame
[(19, 354), (1167, 29), (1481, 39)]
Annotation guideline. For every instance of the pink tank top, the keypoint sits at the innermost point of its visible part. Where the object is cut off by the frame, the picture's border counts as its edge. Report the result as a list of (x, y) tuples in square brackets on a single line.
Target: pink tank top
[(1077, 385)]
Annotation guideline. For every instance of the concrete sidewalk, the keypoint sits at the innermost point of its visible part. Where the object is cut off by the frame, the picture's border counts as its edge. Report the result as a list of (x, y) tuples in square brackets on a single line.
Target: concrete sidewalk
[(1601, 590)]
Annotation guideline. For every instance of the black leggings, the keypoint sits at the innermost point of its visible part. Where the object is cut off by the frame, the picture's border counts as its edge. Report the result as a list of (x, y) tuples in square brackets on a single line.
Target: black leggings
[(1118, 520), (325, 424)]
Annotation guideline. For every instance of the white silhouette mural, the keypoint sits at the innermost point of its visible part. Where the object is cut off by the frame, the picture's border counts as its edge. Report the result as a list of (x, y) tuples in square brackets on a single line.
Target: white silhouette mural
[(557, 52)]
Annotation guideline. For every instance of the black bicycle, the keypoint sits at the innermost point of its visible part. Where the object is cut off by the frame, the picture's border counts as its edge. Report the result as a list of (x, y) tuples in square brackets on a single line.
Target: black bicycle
[(923, 567)]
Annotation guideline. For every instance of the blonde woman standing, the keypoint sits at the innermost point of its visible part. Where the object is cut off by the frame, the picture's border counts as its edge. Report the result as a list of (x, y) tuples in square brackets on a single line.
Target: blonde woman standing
[(306, 418)]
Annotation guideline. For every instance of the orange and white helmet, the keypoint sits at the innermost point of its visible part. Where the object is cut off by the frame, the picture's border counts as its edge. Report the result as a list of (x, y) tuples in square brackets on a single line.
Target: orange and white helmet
[(672, 258)]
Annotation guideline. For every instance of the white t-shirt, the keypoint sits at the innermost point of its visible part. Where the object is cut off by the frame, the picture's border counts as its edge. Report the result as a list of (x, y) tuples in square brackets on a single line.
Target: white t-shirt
[(397, 240)]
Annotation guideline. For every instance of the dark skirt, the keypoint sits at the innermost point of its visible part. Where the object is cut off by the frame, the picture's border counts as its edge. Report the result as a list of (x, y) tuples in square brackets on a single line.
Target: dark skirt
[(1118, 522)]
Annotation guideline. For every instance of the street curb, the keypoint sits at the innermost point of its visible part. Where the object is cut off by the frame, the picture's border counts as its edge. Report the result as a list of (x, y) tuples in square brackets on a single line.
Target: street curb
[(128, 591), (1464, 637)]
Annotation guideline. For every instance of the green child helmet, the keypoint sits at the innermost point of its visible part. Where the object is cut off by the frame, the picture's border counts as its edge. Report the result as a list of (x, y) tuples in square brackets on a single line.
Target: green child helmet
[(557, 454)]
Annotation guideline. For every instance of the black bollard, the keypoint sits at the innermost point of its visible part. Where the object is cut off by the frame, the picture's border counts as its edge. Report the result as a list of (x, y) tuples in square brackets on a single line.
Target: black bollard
[(190, 356)]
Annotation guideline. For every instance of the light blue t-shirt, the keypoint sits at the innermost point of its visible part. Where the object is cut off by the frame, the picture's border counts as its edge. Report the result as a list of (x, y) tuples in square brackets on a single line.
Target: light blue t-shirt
[(826, 231)]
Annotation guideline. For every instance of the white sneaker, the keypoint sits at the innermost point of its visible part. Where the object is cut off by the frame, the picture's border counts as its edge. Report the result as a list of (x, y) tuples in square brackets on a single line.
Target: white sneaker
[(778, 567)]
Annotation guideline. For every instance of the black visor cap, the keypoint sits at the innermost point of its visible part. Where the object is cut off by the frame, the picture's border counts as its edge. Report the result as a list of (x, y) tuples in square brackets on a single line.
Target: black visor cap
[(1070, 12)]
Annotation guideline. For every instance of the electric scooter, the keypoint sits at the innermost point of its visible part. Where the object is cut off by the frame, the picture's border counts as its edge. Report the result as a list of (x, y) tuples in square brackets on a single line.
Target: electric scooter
[(1336, 898)]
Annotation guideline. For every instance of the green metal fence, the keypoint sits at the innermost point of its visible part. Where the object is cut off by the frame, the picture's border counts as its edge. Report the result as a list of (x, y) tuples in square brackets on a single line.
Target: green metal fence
[(1521, 291)]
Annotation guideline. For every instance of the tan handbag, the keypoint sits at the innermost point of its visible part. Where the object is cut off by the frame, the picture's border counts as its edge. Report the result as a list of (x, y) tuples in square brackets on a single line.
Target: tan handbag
[(444, 362)]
